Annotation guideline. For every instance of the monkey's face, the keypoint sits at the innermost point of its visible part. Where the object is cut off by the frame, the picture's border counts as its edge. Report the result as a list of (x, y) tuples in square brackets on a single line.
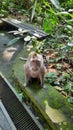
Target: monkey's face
[(35, 63)]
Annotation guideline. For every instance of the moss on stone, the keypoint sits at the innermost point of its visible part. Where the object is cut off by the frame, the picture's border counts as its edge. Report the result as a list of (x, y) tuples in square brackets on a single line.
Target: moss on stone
[(53, 106)]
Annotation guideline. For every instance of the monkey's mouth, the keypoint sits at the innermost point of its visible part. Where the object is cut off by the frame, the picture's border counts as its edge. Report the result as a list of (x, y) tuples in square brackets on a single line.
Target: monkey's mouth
[(35, 69)]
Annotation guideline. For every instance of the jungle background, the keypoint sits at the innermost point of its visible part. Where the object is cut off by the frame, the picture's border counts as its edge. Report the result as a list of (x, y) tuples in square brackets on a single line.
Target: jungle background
[(55, 17)]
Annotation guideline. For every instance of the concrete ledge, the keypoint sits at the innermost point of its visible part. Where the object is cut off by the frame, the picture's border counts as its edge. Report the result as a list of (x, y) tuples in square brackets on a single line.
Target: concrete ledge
[(52, 105)]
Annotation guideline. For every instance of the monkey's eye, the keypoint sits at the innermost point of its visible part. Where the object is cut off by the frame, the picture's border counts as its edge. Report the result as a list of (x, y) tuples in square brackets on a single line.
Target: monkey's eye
[(33, 61)]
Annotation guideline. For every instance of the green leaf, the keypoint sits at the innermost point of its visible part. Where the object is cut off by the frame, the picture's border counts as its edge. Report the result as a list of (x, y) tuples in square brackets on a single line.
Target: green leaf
[(33, 10), (13, 41), (51, 77), (56, 4), (70, 43), (65, 13), (69, 27), (27, 38), (66, 75), (70, 99), (19, 31)]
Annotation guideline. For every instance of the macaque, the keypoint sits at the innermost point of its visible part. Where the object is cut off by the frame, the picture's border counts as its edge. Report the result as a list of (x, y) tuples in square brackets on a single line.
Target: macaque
[(34, 68)]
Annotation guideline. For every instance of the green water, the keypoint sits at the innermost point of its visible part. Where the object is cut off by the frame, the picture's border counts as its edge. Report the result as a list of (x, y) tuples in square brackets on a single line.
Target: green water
[(8, 54)]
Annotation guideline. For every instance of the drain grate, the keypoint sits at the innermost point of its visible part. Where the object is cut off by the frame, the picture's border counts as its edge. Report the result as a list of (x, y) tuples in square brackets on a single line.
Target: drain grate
[(18, 113), (5, 121)]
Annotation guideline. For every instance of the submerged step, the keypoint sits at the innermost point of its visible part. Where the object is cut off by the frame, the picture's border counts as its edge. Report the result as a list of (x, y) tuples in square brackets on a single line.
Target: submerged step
[(40, 34)]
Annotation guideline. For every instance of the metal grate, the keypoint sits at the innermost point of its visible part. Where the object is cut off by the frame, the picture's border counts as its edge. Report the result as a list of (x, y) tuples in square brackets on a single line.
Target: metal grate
[(18, 113), (5, 121)]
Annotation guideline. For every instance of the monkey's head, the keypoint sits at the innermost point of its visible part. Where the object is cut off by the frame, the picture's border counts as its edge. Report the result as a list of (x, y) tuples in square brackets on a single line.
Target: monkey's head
[(33, 54), (34, 67)]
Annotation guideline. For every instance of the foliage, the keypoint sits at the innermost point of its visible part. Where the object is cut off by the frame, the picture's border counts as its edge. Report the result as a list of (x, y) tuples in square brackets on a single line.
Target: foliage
[(51, 77), (12, 7), (68, 4)]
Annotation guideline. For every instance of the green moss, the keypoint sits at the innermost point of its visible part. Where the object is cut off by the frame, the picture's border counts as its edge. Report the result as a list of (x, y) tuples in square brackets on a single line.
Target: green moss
[(52, 105)]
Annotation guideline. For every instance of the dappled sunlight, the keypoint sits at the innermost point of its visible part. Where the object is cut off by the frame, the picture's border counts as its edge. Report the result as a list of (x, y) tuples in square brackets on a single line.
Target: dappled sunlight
[(54, 114), (1, 22), (2, 34), (29, 47), (8, 53), (15, 21)]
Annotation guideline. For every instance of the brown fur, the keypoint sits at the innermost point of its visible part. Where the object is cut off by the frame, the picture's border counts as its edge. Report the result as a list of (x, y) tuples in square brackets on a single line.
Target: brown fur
[(34, 68)]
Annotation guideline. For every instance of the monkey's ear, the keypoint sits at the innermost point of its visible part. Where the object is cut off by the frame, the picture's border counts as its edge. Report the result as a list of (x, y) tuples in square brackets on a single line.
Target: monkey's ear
[(32, 53)]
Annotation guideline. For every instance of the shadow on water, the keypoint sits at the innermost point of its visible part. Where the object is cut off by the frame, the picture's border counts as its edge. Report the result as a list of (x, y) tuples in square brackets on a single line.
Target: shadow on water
[(8, 54)]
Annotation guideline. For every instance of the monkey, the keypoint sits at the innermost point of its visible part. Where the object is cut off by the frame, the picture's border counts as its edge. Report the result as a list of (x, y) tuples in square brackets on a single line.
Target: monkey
[(34, 68)]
